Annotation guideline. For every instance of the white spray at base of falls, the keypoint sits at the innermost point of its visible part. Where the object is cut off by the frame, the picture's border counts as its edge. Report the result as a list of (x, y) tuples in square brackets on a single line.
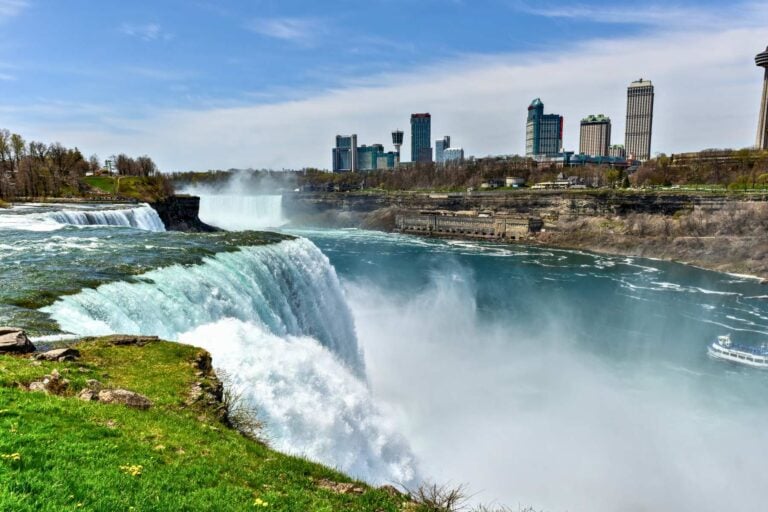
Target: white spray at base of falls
[(275, 318), (237, 212), (312, 405)]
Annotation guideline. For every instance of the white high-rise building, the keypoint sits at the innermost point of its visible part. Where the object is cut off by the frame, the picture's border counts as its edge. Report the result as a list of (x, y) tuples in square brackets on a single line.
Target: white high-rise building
[(637, 140), (595, 135)]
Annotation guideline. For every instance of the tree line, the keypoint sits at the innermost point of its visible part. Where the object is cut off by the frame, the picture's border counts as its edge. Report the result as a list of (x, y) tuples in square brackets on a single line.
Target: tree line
[(37, 169)]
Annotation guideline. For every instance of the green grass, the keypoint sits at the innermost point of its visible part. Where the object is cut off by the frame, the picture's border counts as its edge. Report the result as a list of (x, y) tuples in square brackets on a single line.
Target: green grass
[(131, 187), (60, 453), (103, 183)]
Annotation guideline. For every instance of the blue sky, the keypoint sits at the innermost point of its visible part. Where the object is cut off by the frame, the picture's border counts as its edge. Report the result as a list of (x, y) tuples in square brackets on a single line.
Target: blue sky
[(201, 84)]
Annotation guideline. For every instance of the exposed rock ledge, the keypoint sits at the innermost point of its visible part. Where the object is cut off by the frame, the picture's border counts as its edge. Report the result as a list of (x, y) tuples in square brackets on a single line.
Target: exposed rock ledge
[(14, 341), (181, 213)]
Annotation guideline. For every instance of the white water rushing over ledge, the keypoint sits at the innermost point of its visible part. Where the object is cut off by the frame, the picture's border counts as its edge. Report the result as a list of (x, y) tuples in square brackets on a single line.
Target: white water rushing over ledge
[(275, 319), (235, 212), (142, 217)]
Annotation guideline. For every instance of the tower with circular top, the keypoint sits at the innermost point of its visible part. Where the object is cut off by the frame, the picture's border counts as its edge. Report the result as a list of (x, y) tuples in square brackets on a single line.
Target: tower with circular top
[(762, 128)]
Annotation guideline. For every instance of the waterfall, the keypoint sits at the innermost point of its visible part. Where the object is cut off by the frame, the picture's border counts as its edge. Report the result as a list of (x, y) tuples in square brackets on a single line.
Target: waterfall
[(275, 319), (290, 288), (142, 217), (236, 212)]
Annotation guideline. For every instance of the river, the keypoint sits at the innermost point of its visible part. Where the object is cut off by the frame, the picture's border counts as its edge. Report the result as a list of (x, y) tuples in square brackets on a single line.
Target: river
[(557, 379)]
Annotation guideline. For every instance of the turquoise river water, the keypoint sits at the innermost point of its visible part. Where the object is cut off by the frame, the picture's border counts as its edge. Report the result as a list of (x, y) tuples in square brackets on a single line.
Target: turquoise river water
[(557, 379)]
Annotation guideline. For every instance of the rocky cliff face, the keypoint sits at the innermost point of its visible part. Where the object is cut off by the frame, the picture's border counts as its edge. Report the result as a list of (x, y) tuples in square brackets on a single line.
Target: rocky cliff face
[(181, 213), (551, 205)]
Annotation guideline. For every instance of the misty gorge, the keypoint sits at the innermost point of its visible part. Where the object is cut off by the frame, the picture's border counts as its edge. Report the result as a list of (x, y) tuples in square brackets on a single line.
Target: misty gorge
[(554, 376)]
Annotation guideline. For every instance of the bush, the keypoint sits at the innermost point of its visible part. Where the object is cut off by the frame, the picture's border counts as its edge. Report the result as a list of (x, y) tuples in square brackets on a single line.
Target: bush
[(240, 415)]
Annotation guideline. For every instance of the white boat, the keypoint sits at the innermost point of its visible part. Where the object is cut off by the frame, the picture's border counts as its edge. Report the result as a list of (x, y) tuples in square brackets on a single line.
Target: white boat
[(725, 349)]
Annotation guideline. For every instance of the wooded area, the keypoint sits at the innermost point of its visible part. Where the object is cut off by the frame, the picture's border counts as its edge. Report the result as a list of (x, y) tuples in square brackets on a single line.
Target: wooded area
[(37, 169)]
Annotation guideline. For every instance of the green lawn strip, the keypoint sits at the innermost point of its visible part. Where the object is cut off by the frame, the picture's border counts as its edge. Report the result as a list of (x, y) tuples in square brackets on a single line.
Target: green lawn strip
[(60, 453)]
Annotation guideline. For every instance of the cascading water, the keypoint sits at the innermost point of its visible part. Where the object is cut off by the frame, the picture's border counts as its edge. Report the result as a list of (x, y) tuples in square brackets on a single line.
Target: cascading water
[(44, 218), (143, 217), (275, 318), (236, 212)]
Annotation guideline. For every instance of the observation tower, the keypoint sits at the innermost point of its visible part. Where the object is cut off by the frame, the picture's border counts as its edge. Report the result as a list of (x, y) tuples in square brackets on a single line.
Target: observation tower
[(397, 141), (762, 128)]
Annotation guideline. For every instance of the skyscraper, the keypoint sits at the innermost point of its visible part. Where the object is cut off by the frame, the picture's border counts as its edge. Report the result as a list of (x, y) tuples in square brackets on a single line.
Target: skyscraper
[(440, 146), (543, 132), (639, 120), (345, 154), (421, 137), (595, 135), (762, 128)]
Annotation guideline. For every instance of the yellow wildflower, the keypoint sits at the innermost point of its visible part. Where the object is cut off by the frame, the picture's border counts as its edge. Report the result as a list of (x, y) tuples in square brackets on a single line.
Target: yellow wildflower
[(258, 502), (133, 470), (11, 456)]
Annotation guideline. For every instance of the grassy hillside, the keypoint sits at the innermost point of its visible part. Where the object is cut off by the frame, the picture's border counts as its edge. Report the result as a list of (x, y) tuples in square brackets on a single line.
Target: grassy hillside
[(148, 189), (60, 453)]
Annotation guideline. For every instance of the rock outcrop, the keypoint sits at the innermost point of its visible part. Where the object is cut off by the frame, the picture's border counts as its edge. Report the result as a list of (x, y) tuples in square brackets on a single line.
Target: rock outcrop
[(14, 341), (181, 213), (59, 354), (52, 384), (124, 397)]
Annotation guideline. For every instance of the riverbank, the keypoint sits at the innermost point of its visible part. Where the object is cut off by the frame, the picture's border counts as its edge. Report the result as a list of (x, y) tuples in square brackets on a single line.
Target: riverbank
[(716, 231), (66, 448)]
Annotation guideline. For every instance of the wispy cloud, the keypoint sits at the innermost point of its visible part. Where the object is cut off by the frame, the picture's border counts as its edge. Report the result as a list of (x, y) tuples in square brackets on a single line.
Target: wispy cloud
[(10, 8), (295, 30), (660, 15), (145, 32), (483, 106), (162, 74)]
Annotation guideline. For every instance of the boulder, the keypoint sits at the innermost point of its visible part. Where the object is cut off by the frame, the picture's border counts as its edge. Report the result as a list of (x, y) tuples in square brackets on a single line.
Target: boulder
[(14, 341), (91, 392), (59, 354), (124, 397), (52, 384), (87, 395), (340, 487)]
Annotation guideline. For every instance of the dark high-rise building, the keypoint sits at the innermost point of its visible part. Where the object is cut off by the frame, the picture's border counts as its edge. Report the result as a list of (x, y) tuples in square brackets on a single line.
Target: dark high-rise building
[(637, 141), (421, 137), (595, 135), (543, 132), (762, 128), (345, 154)]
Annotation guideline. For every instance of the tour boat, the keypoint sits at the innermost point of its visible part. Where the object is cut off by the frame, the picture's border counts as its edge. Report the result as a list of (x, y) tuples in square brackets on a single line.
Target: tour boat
[(724, 348)]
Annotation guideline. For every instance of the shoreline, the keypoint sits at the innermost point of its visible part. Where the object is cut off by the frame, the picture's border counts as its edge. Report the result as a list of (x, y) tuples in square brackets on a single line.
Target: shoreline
[(722, 267)]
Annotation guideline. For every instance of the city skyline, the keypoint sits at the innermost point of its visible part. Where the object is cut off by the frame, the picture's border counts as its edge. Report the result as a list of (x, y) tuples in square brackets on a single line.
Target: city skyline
[(202, 85)]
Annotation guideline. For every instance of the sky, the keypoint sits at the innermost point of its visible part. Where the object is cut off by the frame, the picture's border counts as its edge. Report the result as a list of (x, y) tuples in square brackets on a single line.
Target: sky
[(203, 84)]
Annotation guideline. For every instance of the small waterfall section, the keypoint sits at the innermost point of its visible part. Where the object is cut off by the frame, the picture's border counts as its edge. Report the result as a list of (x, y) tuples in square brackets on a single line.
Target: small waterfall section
[(275, 319), (236, 212), (142, 217)]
